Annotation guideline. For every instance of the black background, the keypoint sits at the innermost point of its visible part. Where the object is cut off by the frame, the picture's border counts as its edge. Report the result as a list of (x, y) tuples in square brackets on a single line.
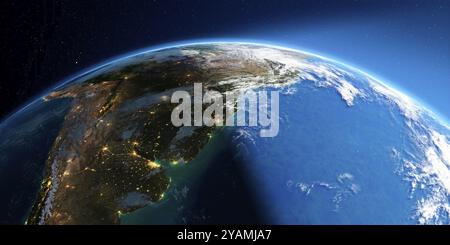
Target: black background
[(279, 235)]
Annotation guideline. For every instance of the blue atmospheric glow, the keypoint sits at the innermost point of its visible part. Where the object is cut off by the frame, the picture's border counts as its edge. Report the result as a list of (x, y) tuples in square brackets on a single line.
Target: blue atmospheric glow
[(273, 44)]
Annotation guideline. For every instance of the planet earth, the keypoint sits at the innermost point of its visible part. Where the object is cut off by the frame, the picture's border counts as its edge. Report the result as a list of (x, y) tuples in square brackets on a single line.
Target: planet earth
[(101, 149)]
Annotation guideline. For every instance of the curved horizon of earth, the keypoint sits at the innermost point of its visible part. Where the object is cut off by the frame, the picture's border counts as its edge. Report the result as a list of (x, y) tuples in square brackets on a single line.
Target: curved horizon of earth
[(100, 148)]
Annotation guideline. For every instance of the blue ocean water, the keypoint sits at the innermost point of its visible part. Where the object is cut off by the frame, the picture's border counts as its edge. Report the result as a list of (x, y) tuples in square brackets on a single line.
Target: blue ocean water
[(330, 163)]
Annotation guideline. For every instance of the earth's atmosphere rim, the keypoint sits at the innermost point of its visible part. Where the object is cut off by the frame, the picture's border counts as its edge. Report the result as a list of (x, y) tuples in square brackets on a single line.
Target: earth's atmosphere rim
[(423, 105)]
